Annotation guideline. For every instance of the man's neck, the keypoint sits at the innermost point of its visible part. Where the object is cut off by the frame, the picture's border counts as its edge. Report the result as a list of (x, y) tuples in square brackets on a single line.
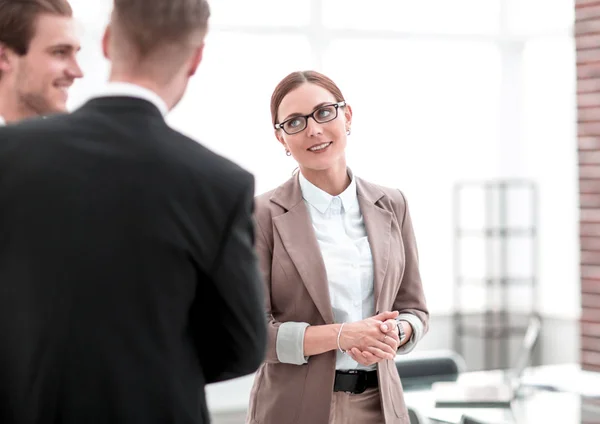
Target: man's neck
[(161, 91)]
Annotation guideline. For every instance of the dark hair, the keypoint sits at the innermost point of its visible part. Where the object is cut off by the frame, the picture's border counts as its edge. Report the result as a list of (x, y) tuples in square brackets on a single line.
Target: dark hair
[(295, 80), (18, 19), (153, 24)]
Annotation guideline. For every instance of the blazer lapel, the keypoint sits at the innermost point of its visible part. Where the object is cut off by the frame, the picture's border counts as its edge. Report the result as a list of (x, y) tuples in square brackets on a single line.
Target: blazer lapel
[(298, 237), (378, 223)]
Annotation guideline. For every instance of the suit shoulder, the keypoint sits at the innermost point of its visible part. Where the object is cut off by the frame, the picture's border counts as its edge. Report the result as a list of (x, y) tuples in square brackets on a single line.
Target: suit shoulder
[(211, 165)]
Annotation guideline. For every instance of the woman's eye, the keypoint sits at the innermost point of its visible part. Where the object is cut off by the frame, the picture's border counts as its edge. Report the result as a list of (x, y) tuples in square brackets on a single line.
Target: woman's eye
[(324, 113)]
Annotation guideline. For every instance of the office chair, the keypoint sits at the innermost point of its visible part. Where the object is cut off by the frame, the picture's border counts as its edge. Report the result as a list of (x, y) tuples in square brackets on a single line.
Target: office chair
[(415, 417), (421, 369)]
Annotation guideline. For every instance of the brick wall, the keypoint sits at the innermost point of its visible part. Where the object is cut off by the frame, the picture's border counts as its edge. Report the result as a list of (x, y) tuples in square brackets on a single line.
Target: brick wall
[(587, 33)]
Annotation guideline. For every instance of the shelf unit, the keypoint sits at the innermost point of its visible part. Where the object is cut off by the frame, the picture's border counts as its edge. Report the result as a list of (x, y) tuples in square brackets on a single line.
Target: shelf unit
[(495, 322)]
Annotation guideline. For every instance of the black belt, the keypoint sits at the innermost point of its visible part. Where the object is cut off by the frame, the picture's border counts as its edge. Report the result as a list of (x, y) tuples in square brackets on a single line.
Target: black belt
[(354, 381)]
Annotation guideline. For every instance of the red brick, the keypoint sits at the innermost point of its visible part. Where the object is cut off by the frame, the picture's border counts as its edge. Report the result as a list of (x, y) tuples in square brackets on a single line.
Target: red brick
[(590, 357), (591, 70), (589, 300), (589, 329), (589, 243), (589, 143), (586, 3), (589, 201), (588, 99), (587, 27), (588, 55), (591, 85), (590, 315), (590, 286), (589, 114), (589, 186), (589, 171), (590, 257), (590, 343), (590, 41), (589, 215), (590, 271), (590, 157), (586, 229), (594, 368), (587, 13)]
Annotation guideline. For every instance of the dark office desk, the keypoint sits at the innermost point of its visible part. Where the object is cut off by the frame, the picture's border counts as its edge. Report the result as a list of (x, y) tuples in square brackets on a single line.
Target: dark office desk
[(533, 405)]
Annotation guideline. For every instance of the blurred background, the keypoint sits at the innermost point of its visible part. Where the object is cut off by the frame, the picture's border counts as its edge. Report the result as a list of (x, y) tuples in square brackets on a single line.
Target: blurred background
[(470, 107)]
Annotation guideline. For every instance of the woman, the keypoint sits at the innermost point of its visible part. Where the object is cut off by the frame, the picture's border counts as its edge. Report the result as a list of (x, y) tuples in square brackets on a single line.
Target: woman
[(339, 260)]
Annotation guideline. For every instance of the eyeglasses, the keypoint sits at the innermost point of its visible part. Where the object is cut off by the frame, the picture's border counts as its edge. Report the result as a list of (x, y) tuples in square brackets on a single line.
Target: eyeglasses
[(321, 115)]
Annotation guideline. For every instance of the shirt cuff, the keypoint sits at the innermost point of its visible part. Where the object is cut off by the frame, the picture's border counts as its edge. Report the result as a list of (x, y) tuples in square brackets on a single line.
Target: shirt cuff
[(417, 327), (290, 343)]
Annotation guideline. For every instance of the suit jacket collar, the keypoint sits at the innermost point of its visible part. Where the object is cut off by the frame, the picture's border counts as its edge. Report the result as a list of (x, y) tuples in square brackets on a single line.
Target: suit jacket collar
[(298, 237), (121, 105), (124, 89), (289, 194)]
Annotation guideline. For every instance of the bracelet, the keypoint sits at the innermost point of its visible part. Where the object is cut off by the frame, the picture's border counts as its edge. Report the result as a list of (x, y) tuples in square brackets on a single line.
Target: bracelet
[(338, 338)]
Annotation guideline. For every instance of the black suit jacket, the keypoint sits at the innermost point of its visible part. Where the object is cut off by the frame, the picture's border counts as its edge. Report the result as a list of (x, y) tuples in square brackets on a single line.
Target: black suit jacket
[(128, 278)]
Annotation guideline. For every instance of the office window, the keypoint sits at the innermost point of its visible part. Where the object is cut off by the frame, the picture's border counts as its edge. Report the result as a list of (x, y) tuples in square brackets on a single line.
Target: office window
[(435, 16), (260, 13), (530, 17), (419, 103)]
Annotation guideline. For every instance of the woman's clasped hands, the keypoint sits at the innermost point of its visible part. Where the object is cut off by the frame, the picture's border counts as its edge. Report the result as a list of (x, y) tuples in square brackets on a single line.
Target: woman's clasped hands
[(371, 340)]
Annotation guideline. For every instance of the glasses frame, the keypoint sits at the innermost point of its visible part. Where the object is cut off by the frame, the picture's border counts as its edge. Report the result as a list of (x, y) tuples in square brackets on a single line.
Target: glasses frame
[(337, 106)]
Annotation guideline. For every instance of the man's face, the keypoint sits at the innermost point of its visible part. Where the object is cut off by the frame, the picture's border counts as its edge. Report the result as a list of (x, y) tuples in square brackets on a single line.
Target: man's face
[(43, 76)]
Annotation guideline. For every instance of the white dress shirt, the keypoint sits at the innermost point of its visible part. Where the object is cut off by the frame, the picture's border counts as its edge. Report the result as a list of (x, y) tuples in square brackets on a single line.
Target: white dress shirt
[(342, 237), (124, 89), (2, 121)]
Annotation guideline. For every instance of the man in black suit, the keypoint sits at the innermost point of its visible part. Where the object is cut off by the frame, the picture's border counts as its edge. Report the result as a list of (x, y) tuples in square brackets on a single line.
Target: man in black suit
[(128, 278)]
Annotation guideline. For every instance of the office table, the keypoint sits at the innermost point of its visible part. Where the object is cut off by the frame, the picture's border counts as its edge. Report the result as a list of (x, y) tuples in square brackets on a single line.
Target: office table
[(533, 405)]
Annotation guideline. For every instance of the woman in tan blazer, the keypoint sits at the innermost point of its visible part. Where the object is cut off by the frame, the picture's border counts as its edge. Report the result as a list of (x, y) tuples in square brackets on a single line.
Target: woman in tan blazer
[(339, 261)]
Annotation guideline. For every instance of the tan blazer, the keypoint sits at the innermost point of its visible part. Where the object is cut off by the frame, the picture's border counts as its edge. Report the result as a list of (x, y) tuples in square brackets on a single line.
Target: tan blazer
[(297, 290)]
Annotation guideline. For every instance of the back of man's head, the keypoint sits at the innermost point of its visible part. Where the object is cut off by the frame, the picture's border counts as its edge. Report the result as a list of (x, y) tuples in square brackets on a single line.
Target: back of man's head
[(18, 20), (157, 33)]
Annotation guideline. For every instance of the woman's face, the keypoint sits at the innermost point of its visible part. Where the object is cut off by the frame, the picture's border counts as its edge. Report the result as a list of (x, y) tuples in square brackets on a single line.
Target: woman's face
[(320, 145)]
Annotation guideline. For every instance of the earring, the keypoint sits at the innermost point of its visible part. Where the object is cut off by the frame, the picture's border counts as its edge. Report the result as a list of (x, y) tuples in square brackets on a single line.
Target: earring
[(288, 153), (349, 131)]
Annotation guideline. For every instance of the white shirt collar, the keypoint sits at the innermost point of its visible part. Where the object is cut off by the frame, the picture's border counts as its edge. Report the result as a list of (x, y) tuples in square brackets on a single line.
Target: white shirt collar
[(321, 200), (131, 90), (2, 121)]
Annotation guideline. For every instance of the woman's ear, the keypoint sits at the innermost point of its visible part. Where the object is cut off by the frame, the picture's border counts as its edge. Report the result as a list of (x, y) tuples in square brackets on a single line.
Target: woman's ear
[(348, 116), (279, 138)]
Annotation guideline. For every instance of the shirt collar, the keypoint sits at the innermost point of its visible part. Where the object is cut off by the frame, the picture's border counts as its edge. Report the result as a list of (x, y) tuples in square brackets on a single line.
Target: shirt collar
[(321, 200), (2, 121), (131, 90)]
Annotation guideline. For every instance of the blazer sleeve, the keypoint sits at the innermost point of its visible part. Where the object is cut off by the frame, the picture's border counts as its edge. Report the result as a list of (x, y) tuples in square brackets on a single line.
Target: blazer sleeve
[(235, 335), (285, 340), (410, 301)]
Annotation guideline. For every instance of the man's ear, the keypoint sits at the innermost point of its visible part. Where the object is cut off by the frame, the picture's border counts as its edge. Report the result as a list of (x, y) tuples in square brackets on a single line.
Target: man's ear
[(5, 60), (106, 42), (196, 60)]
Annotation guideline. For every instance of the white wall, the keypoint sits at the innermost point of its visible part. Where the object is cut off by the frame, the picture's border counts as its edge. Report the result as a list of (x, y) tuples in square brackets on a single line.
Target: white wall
[(469, 89)]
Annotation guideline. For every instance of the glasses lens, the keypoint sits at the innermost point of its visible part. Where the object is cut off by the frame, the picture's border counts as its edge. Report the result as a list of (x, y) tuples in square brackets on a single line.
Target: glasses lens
[(295, 125), (325, 114)]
